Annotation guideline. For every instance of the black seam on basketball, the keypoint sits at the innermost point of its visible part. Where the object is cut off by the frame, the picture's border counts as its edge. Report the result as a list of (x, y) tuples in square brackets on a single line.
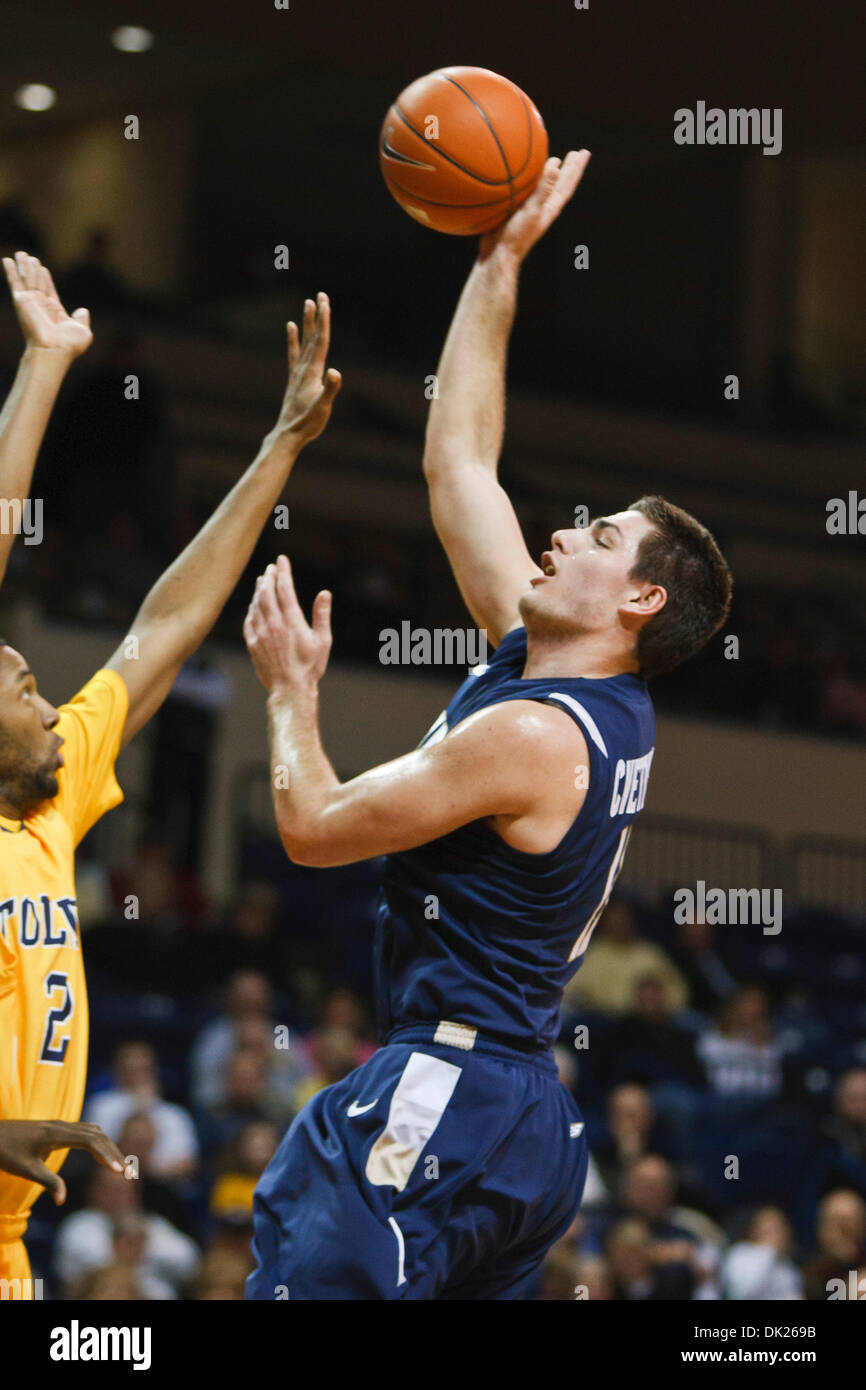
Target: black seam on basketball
[(431, 202), (483, 114), (491, 183)]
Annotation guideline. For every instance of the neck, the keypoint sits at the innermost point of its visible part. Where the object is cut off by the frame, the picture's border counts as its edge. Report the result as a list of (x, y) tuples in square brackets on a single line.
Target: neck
[(586, 654), (8, 809)]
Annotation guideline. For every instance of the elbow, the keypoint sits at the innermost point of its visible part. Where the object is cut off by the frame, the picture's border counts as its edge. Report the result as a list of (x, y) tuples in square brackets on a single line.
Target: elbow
[(304, 848)]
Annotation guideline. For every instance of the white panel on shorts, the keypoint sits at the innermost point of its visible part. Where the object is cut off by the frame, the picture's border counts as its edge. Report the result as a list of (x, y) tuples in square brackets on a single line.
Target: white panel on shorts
[(417, 1106)]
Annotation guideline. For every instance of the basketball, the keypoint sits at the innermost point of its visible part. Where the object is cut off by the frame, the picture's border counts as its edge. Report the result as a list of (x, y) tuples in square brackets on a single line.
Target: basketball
[(461, 148)]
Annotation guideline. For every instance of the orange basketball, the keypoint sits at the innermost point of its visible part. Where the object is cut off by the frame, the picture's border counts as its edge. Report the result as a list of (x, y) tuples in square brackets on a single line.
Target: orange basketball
[(462, 148)]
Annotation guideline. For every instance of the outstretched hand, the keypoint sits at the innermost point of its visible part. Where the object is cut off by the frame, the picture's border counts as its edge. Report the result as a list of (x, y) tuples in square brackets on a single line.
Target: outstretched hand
[(25, 1144), (286, 650), (43, 319), (528, 224), (311, 390)]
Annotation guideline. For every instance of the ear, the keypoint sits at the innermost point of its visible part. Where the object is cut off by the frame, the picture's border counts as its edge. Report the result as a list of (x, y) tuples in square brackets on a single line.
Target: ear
[(649, 600)]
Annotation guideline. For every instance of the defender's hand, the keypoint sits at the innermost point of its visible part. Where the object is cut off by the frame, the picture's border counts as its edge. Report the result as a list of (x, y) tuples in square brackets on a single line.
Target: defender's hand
[(311, 391), (528, 224), (285, 650), (43, 319), (25, 1143)]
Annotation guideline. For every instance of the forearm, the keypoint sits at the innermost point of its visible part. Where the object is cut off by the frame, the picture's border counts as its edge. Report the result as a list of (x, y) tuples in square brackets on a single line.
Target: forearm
[(194, 589), (467, 420), (23, 422), (302, 778)]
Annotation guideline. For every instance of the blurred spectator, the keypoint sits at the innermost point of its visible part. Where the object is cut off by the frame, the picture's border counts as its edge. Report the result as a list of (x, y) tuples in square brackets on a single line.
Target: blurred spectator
[(616, 960), (760, 1266), (640, 1269), (695, 956), (559, 1273), (842, 1161), (222, 1276), (246, 1021), (646, 1046), (633, 1131), (115, 1283), (86, 1239), (742, 1057), (243, 1164), (136, 1140), (840, 1239), (247, 1101), (594, 1275), (335, 1053), (175, 1148), (342, 1009)]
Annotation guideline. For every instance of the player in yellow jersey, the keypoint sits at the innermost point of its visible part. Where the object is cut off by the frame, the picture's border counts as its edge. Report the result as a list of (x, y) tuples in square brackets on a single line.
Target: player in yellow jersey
[(57, 765)]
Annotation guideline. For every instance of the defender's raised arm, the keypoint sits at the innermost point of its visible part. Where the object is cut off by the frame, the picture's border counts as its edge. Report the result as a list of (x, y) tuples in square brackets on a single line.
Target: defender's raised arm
[(186, 601), (472, 514), (53, 340)]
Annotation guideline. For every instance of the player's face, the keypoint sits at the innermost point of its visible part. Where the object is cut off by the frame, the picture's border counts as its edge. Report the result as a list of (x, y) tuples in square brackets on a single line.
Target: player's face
[(29, 751), (585, 581)]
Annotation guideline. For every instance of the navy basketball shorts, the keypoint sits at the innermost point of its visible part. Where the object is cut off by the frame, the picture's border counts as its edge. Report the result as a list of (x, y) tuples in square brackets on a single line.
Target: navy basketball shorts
[(430, 1172)]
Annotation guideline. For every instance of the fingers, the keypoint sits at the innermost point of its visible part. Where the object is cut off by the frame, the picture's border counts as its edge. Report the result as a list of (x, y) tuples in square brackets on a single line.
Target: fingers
[(323, 331), (285, 589), (322, 614), (28, 269), (93, 1139), (52, 1182), (294, 344), (82, 316), (568, 177), (333, 382), (13, 279), (316, 337)]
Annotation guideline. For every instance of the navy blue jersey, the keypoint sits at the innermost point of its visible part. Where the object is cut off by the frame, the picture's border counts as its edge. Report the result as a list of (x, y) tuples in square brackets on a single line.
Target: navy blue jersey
[(472, 931)]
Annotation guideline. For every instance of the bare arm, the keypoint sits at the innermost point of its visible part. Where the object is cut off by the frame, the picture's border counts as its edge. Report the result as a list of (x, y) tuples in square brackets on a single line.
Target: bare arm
[(413, 799), (185, 602), (472, 514), (53, 340)]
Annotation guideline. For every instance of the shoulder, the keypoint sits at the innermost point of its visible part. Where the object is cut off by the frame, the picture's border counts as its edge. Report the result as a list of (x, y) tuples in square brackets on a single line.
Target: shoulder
[(517, 728)]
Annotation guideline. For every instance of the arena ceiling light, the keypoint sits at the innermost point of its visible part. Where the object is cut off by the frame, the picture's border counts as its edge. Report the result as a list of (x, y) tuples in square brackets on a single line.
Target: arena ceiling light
[(35, 96), (131, 38)]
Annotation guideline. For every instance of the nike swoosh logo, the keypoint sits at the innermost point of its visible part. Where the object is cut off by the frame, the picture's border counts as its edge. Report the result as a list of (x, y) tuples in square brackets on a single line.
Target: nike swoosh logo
[(356, 1109)]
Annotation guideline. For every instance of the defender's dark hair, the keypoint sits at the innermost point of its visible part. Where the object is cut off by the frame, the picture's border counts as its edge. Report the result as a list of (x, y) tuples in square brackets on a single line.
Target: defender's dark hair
[(681, 555)]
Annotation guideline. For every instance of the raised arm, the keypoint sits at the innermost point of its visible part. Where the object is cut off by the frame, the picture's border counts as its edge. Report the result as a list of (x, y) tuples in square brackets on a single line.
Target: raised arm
[(533, 793), (53, 340), (185, 602), (472, 513)]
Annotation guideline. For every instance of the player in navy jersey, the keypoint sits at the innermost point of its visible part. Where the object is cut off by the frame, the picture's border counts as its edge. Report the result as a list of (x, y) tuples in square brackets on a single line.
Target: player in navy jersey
[(447, 1165)]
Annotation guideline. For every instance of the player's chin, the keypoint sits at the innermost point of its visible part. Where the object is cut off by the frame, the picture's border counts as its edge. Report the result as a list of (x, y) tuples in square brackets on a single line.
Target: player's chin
[(45, 788)]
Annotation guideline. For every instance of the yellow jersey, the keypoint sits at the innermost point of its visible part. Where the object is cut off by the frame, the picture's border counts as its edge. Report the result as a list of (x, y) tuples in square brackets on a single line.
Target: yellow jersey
[(43, 999)]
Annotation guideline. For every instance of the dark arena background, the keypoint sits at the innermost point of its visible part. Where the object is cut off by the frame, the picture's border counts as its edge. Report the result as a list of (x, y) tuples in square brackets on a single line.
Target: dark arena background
[(692, 325)]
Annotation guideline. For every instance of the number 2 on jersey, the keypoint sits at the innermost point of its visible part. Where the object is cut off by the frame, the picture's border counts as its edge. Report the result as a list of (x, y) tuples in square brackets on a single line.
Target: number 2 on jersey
[(54, 1048)]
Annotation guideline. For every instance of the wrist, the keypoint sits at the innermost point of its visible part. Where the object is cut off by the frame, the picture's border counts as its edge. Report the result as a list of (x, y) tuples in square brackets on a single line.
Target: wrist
[(500, 260), (47, 361), (302, 691)]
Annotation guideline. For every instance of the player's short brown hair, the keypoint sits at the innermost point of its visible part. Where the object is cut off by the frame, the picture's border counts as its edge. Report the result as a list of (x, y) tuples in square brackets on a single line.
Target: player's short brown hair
[(681, 555)]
